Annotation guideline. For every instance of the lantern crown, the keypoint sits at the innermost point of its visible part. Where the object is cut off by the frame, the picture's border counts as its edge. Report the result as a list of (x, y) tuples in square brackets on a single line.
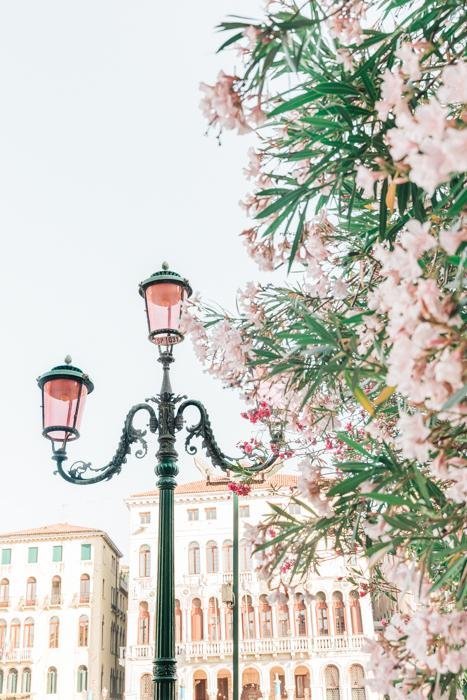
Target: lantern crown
[(66, 371), (165, 275)]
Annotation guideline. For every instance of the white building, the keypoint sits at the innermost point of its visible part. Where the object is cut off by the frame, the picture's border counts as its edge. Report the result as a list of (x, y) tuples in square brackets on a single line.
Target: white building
[(62, 614), (313, 648)]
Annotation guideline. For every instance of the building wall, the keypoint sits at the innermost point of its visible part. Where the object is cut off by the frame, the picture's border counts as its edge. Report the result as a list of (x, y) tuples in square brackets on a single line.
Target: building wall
[(283, 651), (69, 656)]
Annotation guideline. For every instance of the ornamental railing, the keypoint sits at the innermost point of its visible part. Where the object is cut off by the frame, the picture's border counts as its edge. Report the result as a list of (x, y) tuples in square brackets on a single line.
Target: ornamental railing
[(280, 645), (17, 655)]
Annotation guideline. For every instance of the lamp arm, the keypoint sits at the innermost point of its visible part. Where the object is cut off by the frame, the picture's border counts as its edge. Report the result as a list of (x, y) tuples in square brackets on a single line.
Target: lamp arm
[(78, 472), (203, 430)]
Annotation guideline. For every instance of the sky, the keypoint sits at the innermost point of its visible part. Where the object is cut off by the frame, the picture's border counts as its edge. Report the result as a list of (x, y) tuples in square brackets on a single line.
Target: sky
[(106, 171)]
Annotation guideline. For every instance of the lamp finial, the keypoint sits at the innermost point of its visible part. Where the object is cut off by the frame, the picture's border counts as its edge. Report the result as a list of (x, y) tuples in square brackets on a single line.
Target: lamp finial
[(165, 266), (68, 359)]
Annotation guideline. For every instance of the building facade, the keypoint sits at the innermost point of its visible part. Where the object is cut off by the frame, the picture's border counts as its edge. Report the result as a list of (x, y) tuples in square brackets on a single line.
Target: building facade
[(63, 603), (302, 646)]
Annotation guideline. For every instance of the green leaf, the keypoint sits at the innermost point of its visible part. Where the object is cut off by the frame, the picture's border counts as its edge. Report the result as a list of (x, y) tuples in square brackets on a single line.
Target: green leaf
[(383, 211), (348, 484), (402, 197), (295, 102), (331, 88), (455, 398), (389, 498), (354, 445)]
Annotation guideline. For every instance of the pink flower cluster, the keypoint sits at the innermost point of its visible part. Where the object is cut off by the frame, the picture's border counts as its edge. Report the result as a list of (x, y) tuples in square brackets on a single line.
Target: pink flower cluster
[(239, 488), (429, 638), (249, 446), (222, 104), (427, 143), (424, 360), (344, 20), (254, 415)]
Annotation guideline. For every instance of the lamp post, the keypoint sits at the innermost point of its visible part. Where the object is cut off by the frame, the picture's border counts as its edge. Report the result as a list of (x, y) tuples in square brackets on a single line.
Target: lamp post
[(64, 392)]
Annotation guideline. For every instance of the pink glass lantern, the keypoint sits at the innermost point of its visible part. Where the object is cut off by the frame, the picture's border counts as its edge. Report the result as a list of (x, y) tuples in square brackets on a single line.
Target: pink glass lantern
[(64, 391), (164, 294)]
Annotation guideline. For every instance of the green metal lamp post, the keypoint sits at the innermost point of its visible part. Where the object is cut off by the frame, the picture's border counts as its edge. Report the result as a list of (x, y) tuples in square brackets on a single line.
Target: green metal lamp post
[(64, 391)]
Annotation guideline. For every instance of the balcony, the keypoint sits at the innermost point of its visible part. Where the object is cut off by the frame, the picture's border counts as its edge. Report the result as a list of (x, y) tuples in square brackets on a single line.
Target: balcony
[(16, 655), (143, 588), (302, 646)]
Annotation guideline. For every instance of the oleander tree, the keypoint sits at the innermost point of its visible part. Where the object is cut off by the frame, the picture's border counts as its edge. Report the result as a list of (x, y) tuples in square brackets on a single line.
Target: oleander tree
[(358, 192)]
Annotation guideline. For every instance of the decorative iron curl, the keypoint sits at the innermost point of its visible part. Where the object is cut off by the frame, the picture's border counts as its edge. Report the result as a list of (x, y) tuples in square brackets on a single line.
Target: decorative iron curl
[(78, 471), (203, 430)]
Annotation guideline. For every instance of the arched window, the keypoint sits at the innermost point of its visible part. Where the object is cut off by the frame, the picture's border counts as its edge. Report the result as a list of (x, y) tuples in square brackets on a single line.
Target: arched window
[(84, 589), (197, 632), (28, 633), (146, 687), (15, 630), (52, 680), (300, 615), (248, 618), (143, 623), (214, 620), (144, 561), (339, 612), (244, 556), (178, 622), (12, 684), (4, 593), (265, 617), (83, 631), (56, 591), (227, 556), (2, 634), (283, 618), (357, 682), (355, 613), (31, 591), (212, 558), (82, 679), (54, 631), (193, 558), (322, 614), (331, 677), (25, 681)]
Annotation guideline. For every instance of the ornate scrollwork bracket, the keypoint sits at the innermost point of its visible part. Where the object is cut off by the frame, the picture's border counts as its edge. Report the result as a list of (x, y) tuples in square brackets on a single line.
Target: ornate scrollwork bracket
[(81, 472), (203, 430)]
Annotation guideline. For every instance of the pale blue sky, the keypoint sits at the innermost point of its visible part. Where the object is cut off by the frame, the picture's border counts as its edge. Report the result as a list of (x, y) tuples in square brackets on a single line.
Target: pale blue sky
[(105, 171)]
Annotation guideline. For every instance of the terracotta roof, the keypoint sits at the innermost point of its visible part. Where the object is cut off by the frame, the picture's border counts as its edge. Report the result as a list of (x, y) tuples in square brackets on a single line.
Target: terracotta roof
[(58, 529), (62, 529), (274, 482)]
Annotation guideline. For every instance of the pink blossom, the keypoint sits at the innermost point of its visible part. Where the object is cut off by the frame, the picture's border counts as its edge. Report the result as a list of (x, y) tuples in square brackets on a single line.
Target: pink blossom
[(378, 529), (257, 115), (416, 239), (430, 168), (366, 179), (452, 238), (454, 88), (344, 56), (222, 103), (430, 119), (413, 437), (410, 61), (449, 369), (339, 289), (252, 34), (253, 168), (392, 94)]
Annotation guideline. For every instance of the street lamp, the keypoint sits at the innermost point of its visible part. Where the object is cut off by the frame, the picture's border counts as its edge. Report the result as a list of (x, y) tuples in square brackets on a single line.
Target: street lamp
[(64, 390)]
